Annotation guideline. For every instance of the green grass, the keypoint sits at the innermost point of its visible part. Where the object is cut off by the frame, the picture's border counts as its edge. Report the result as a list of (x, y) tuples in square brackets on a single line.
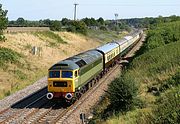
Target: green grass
[(50, 35), (23, 80), (156, 65), (8, 56), (158, 68)]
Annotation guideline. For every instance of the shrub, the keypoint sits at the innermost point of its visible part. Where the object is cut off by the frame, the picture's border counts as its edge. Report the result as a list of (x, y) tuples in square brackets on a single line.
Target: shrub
[(168, 107), (8, 55), (163, 34), (104, 28), (55, 26), (122, 93), (78, 26), (171, 82), (51, 35)]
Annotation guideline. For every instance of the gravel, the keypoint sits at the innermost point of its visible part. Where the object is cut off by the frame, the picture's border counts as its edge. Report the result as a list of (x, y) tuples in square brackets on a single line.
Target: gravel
[(8, 101)]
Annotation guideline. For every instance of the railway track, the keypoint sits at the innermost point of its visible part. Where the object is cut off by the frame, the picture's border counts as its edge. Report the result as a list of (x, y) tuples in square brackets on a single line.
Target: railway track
[(64, 115), (57, 113), (37, 109), (23, 107)]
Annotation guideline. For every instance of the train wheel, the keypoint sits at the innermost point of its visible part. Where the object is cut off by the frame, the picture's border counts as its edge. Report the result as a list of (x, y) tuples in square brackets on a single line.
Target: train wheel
[(73, 100), (77, 94)]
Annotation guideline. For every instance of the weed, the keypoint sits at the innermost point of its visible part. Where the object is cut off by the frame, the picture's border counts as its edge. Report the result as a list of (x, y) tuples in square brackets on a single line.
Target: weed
[(8, 56), (51, 35)]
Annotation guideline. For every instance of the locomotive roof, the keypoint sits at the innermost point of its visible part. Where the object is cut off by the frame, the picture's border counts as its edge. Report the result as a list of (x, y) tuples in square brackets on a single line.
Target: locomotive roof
[(77, 61), (64, 65), (89, 56), (108, 47)]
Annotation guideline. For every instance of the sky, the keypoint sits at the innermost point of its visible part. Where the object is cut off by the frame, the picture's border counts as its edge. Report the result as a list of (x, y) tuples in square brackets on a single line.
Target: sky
[(58, 9)]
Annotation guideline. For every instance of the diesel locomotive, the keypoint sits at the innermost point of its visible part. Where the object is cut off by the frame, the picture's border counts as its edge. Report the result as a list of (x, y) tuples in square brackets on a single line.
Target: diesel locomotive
[(70, 78)]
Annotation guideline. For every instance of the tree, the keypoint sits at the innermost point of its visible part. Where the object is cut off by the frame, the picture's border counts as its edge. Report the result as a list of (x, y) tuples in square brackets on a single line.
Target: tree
[(90, 21), (55, 25), (20, 21), (100, 21), (47, 22), (78, 26), (65, 21), (3, 22)]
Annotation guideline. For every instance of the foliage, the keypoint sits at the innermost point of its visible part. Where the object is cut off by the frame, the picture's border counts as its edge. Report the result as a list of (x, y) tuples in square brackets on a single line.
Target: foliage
[(65, 21), (3, 22), (122, 93), (21, 22), (51, 35), (55, 26), (71, 25), (168, 107), (20, 74), (173, 81), (104, 28), (101, 21), (8, 55), (165, 33), (149, 22), (157, 69), (90, 21), (78, 26)]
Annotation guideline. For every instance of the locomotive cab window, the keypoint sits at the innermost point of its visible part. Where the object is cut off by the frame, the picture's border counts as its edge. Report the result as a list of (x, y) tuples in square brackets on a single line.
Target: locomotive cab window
[(54, 74), (67, 74)]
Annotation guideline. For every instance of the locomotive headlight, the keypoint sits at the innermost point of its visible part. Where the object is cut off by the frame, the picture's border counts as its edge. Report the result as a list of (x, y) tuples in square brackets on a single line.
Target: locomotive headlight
[(68, 96), (49, 96)]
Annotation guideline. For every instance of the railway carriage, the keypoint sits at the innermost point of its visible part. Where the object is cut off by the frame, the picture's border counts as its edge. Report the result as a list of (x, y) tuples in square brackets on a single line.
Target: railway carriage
[(110, 52), (69, 78), (128, 42)]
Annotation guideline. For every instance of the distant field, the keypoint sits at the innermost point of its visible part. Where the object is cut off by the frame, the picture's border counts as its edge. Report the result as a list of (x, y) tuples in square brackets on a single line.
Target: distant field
[(25, 29)]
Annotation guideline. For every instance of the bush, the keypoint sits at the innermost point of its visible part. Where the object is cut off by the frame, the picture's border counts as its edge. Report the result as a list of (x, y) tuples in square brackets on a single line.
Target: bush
[(122, 93), (55, 26), (51, 35), (171, 82), (104, 28), (168, 107), (78, 26), (163, 34), (8, 55)]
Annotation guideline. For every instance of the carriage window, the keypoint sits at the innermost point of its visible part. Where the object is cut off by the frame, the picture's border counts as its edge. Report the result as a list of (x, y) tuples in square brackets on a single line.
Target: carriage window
[(67, 74)]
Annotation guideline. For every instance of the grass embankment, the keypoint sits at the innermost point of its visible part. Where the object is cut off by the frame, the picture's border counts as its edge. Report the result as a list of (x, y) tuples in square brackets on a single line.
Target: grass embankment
[(148, 91), (51, 37), (19, 67)]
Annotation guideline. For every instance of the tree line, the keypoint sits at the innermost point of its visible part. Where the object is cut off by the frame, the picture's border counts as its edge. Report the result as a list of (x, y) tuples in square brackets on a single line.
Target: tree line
[(80, 26), (150, 22)]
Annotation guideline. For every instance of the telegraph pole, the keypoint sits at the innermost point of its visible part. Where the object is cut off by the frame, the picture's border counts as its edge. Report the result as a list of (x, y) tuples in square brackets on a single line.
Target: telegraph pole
[(75, 10)]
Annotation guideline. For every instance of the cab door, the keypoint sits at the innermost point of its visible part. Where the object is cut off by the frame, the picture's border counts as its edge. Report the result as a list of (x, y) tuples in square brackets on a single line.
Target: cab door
[(76, 78)]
